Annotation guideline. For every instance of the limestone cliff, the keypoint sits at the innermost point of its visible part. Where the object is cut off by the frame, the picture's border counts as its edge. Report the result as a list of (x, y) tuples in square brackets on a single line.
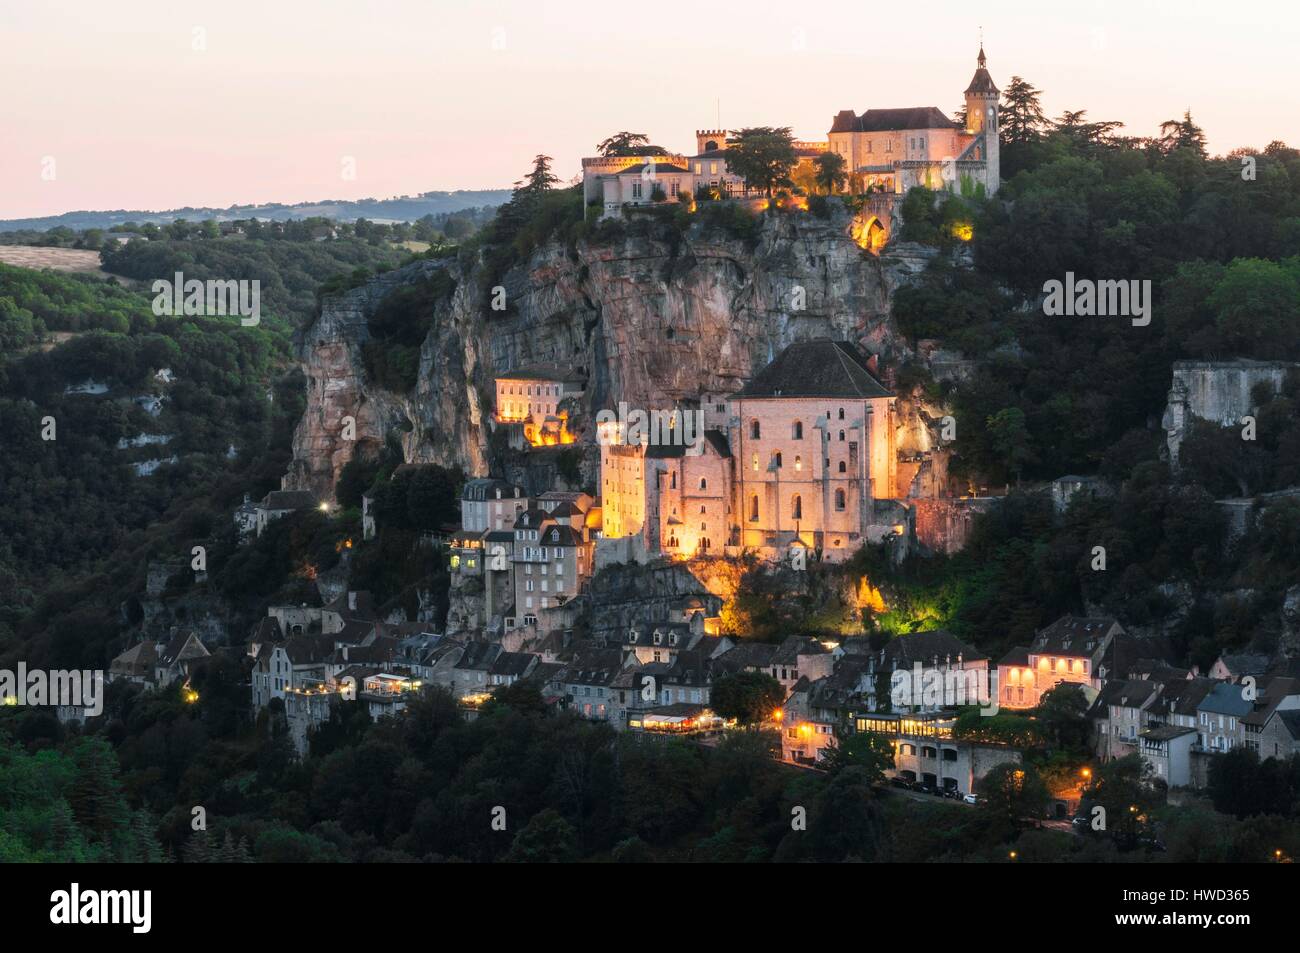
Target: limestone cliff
[(652, 316)]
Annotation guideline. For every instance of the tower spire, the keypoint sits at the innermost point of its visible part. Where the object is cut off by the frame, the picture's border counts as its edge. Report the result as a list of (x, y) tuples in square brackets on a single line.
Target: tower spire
[(981, 60)]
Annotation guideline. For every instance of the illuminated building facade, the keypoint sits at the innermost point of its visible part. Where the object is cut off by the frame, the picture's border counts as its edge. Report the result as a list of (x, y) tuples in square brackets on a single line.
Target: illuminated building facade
[(1071, 649), (894, 150)]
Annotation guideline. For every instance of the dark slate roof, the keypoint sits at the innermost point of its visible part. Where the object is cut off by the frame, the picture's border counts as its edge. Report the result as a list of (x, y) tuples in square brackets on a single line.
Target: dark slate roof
[(531, 518), (479, 656), (268, 630), (179, 646), (746, 655), (288, 500), (1017, 657), (796, 645), (512, 663), (1122, 693), (1073, 635), (981, 82), (658, 168), (1291, 719), (543, 372), (592, 666), (820, 368), (308, 649), (559, 534), (486, 488), (718, 440), (1226, 699), (922, 647), (892, 120)]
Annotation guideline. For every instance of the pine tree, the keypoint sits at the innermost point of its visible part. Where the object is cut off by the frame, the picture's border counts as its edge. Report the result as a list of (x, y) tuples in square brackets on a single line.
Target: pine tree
[(1022, 113)]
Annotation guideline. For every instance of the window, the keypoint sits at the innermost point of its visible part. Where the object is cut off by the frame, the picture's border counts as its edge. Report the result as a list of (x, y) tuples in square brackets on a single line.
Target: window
[(776, 459), (755, 430), (797, 430), (841, 413), (796, 507), (755, 464), (672, 482), (841, 436), (636, 194), (798, 463), (842, 467), (704, 484), (753, 508), (839, 499)]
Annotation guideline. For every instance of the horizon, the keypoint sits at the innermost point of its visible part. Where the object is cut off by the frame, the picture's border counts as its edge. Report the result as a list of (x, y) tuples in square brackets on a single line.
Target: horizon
[(266, 118)]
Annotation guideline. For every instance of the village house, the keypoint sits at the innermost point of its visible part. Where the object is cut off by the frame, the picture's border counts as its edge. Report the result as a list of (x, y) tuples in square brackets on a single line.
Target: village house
[(280, 503), (532, 397), (176, 658), (1071, 649)]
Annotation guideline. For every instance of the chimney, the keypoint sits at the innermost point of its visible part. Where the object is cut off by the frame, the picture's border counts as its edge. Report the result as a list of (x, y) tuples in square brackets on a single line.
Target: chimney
[(873, 363)]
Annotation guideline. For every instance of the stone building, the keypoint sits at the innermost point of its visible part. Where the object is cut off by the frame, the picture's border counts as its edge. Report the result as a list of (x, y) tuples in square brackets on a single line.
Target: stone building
[(894, 150)]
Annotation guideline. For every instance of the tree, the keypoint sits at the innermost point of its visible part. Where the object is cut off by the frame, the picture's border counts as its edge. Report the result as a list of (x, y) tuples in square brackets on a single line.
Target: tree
[(1022, 115), (1012, 793), (831, 174), (763, 156), (547, 838), (1182, 134), (539, 180), (748, 697), (629, 144), (1063, 717), (867, 750), (1011, 439)]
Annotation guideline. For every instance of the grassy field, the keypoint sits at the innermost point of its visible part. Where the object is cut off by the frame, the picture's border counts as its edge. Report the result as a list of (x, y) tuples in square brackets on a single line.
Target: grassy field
[(56, 259)]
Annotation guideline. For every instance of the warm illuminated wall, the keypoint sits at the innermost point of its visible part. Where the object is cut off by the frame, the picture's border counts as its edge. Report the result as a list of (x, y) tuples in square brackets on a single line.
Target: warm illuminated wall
[(821, 490)]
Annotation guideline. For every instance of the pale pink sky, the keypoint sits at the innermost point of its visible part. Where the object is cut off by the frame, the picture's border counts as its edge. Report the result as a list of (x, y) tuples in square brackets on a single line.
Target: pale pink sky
[(135, 117)]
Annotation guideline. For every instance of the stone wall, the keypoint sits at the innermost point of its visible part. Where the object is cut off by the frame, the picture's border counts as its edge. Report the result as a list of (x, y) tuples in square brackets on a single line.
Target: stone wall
[(1215, 391), (944, 524)]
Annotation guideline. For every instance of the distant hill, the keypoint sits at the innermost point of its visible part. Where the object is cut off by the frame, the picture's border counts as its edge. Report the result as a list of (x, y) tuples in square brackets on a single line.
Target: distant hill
[(406, 208)]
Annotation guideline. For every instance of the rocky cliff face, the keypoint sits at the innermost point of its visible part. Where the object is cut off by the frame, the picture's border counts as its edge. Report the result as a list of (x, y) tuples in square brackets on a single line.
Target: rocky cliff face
[(652, 316)]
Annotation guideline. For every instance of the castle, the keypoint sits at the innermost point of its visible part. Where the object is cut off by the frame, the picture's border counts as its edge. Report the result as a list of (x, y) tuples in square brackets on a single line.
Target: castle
[(885, 151)]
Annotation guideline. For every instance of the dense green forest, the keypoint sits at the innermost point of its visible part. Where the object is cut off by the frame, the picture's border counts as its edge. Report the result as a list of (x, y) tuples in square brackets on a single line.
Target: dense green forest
[(74, 504)]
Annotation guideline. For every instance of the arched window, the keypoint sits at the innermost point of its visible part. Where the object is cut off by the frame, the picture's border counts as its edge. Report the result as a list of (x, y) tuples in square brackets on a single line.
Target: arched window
[(839, 499), (704, 484), (796, 507), (776, 459), (841, 413), (841, 435), (755, 431), (797, 430), (798, 463), (843, 468), (753, 508)]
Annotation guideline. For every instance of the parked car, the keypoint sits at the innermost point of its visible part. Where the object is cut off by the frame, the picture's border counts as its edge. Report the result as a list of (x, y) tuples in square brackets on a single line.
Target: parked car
[(900, 782), (970, 798)]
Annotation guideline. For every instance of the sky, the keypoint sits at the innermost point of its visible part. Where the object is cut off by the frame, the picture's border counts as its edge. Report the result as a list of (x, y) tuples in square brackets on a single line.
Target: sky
[(157, 104)]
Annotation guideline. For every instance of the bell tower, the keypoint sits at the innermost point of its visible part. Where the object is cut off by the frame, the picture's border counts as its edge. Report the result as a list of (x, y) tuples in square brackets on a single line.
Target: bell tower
[(982, 119)]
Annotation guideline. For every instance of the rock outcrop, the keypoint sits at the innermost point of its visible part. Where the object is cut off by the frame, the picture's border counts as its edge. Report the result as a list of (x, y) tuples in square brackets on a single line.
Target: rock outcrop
[(653, 316)]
